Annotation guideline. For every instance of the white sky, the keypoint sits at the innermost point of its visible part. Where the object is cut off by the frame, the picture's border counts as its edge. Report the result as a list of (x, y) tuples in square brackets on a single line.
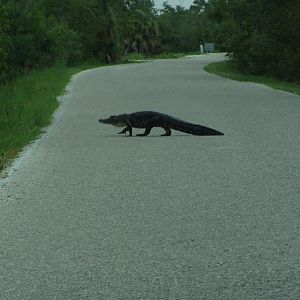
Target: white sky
[(185, 3)]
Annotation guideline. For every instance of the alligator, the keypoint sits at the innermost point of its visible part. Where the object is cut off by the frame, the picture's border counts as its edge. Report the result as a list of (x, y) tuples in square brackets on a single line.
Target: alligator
[(150, 119)]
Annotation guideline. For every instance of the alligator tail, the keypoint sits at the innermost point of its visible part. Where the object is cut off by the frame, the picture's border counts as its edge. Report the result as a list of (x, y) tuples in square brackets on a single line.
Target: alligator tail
[(195, 129)]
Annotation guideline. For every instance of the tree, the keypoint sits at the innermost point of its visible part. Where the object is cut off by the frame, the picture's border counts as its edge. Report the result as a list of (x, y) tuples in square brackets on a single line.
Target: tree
[(4, 42), (183, 29), (109, 35), (142, 30), (198, 6)]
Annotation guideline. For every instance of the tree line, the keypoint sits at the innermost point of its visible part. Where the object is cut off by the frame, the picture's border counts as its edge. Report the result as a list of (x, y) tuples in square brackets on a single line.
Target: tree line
[(262, 37), (40, 33)]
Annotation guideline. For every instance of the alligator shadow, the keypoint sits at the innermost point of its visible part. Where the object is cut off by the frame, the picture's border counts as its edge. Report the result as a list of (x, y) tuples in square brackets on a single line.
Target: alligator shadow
[(155, 136)]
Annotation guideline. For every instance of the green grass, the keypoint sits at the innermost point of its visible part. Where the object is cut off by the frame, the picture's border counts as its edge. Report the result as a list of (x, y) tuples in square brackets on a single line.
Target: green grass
[(136, 57), (27, 105), (169, 55), (130, 57), (172, 55), (227, 69)]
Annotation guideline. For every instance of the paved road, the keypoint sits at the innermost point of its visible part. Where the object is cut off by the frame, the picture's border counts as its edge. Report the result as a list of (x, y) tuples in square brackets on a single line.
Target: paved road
[(88, 214)]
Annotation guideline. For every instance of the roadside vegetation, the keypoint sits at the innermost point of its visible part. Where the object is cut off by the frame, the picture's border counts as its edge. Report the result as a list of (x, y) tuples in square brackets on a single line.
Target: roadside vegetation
[(27, 105), (44, 42), (135, 57), (261, 37), (228, 69)]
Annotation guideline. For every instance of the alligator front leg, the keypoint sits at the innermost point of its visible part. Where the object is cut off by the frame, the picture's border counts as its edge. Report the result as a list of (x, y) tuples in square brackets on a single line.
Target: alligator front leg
[(124, 130), (128, 128)]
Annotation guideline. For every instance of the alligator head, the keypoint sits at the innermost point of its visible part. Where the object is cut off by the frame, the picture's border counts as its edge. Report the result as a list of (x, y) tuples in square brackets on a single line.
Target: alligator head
[(118, 121)]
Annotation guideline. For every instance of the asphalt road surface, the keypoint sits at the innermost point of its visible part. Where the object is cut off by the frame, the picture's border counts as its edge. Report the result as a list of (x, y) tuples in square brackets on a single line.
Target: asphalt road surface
[(89, 214)]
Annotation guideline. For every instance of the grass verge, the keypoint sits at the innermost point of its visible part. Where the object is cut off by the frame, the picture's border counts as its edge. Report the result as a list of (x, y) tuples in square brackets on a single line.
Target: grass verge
[(27, 105), (136, 57), (227, 69), (169, 55), (133, 57)]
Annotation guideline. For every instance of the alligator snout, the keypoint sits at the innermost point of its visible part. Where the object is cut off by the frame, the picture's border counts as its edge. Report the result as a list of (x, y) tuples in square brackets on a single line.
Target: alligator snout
[(103, 121)]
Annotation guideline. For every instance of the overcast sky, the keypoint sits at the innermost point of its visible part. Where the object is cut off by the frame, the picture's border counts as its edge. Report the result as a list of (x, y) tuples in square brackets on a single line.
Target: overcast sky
[(185, 3)]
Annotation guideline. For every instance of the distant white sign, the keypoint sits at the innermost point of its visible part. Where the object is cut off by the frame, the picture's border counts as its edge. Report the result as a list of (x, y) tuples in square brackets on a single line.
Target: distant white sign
[(209, 47)]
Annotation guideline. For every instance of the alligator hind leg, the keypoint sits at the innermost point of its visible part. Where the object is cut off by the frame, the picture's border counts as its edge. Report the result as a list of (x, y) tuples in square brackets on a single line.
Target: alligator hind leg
[(147, 131), (168, 132)]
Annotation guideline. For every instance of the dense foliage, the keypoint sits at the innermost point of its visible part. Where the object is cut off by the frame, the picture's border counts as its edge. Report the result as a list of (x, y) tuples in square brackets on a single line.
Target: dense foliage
[(263, 37), (40, 33), (183, 29)]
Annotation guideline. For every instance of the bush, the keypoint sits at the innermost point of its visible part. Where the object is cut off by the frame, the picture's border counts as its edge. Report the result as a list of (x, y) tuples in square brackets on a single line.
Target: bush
[(63, 44), (262, 36), (4, 42)]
